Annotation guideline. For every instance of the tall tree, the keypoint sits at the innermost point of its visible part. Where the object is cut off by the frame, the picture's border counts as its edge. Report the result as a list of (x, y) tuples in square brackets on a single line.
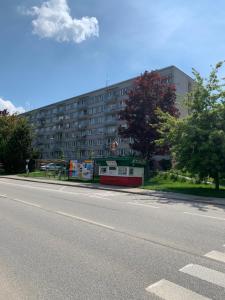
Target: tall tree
[(15, 142), (149, 93), (198, 141)]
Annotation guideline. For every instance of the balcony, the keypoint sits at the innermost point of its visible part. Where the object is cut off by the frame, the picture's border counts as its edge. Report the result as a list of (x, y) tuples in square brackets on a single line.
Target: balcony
[(82, 126), (111, 122), (112, 99), (110, 134), (112, 110)]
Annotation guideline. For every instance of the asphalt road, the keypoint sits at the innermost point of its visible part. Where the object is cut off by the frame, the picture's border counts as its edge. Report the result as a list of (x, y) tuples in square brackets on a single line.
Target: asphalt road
[(76, 243)]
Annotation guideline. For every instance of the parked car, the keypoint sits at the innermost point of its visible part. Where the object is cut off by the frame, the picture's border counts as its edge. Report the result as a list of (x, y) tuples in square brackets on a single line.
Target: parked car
[(52, 167)]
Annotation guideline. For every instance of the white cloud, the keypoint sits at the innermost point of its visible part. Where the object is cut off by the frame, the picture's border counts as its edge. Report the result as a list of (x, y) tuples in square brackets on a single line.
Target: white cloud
[(53, 20), (6, 104)]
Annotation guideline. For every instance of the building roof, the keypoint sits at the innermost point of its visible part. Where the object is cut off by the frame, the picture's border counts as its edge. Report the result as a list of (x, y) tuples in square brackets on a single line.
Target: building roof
[(102, 89)]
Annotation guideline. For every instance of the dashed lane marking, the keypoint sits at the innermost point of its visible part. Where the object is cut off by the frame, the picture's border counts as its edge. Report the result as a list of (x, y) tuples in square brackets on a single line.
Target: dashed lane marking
[(204, 216), (3, 196), (141, 204), (26, 202), (97, 196), (84, 220)]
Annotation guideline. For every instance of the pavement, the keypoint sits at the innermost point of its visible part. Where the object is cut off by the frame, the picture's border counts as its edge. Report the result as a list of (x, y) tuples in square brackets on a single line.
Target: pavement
[(67, 242), (137, 191)]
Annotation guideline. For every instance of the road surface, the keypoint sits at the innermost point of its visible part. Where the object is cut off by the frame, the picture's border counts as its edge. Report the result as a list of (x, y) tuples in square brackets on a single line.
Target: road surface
[(77, 243)]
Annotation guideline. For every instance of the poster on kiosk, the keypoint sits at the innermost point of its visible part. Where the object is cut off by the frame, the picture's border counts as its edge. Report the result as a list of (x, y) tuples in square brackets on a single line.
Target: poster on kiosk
[(81, 169)]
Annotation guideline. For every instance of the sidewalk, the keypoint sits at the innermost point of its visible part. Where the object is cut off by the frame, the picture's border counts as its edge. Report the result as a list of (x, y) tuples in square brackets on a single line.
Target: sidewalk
[(137, 191)]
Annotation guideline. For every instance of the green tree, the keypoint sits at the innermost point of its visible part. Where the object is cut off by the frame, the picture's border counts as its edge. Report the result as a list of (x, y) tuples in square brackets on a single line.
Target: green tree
[(198, 140), (15, 142)]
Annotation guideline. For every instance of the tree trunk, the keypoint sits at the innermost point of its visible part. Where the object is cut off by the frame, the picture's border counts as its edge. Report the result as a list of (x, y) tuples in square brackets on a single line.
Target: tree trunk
[(217, 182)]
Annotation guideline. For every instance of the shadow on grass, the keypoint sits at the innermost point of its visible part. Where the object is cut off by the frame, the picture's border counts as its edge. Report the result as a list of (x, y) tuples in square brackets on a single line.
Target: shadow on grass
[(197, 191), (166, 185)]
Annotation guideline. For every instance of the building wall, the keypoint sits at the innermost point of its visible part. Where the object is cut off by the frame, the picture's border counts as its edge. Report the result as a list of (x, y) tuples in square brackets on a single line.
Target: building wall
[(85, 126)]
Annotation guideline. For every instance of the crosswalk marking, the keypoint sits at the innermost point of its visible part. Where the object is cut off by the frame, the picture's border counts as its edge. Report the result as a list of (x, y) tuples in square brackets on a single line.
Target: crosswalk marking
[(206, 274), (168, 290), (220, 256)]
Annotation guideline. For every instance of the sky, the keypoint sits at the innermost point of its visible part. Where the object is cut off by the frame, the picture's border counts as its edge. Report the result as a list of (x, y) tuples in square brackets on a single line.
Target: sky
[(51, 50)]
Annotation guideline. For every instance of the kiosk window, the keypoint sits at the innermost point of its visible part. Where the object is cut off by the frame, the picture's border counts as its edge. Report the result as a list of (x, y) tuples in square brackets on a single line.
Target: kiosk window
[(112, 170), (103, 170), (122, 171), (131, 171)]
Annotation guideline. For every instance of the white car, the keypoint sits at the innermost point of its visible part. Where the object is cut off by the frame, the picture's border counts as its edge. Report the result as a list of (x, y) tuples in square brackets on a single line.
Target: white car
[(52, 167)]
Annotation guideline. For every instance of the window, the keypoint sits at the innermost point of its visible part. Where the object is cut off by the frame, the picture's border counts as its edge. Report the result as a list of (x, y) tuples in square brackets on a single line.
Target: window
[(131, 171), (112, 170), (123, 91), (103, 170), (122, 171)]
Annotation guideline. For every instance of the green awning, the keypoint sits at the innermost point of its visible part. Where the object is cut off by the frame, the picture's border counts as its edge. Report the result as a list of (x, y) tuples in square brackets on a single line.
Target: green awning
[(122, 161)]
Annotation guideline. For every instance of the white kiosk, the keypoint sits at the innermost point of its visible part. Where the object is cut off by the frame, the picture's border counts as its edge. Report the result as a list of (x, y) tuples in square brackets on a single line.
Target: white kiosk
[(121, 171)]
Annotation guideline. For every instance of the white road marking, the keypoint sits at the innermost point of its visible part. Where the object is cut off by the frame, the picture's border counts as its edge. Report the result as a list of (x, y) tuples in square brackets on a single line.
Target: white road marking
[(206, 274), (204, 216), (167, 290), (97, 196), (3, 196), (84, 220), (56, 190), (62, 188), (27, 203), (141, 204), (220, 256)]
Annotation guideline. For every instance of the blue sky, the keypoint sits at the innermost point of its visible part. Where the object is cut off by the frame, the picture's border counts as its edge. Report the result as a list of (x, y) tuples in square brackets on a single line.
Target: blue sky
[(55, 49)]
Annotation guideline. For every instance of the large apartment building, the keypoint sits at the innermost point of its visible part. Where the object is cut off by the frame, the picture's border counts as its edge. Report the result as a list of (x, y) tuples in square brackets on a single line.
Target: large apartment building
[(85, 126)]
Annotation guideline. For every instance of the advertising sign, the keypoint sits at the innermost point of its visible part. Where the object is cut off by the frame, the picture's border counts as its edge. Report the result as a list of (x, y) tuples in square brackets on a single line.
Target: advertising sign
[(111, 163), (81, 169)]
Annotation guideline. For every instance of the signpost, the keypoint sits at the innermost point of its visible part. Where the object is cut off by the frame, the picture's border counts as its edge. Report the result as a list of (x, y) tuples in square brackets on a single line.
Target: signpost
[(27, 167)]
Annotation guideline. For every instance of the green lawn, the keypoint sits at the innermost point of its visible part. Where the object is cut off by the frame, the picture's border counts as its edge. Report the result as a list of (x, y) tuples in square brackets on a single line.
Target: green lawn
[(52, 175), (160, 184), (43, 174)]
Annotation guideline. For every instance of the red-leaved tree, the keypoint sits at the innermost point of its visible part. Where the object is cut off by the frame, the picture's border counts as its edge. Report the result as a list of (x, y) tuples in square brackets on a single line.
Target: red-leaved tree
[(150, 92), (4, 113)]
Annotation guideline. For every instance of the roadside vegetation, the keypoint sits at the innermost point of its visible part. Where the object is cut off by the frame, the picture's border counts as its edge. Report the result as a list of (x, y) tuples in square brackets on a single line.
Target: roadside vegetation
[(15, 142), (174, 182), (197, 141)]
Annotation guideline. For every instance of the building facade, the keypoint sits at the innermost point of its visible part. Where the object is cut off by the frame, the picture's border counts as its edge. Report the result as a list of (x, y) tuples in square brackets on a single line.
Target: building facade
[(85, 126)]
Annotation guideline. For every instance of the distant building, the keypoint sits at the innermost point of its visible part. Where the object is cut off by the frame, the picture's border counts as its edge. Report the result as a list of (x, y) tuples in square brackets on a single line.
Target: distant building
[(85, 126)]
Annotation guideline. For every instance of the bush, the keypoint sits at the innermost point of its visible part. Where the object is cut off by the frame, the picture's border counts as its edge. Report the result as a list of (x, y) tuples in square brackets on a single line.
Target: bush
[(183, 179), (173, 176), (165, 164)]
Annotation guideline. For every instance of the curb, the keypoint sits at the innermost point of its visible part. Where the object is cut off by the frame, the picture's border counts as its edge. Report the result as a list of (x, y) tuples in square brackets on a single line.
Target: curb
[(171, 197)]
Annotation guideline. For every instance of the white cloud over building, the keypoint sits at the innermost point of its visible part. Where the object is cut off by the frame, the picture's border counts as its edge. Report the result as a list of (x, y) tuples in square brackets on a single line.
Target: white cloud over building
[(52, 19)]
